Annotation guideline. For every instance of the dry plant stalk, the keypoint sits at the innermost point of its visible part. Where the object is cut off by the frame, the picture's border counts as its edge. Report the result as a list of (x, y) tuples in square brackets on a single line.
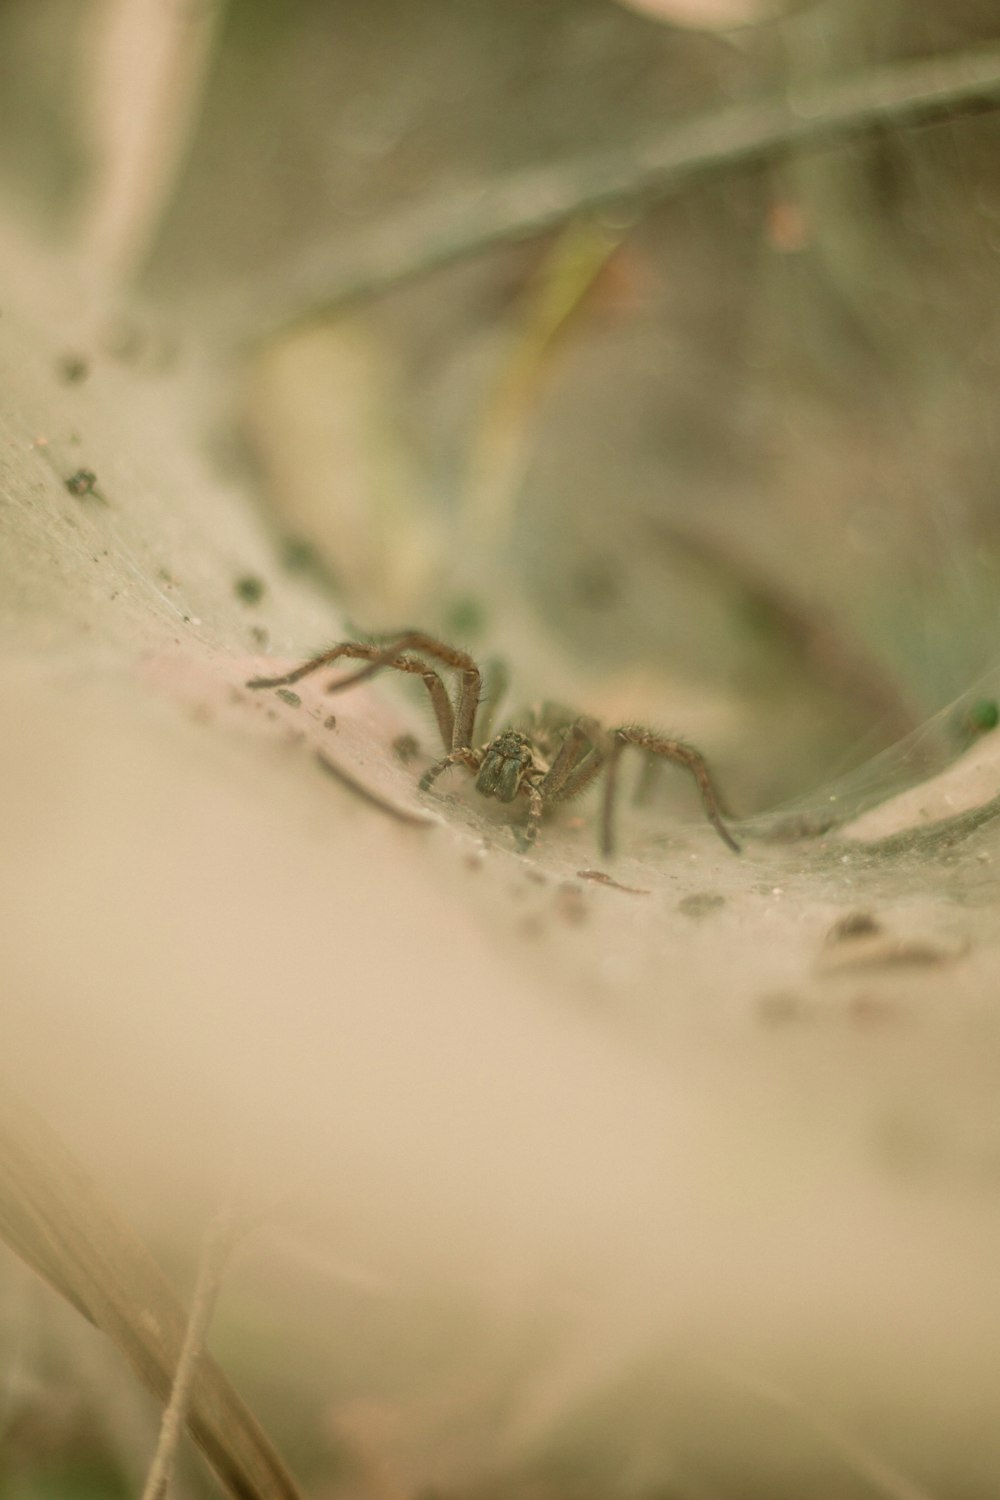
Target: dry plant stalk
[(440, 231), (211, 1269), (56, 1219)]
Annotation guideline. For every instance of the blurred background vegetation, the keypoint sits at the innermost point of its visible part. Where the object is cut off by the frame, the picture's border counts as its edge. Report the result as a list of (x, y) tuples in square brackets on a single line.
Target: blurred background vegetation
[(722, 457)]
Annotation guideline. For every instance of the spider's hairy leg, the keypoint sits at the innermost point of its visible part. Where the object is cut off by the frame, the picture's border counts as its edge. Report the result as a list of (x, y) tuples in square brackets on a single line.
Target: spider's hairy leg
[(360, 651), (578, 760), (536, 807), (462, 756), (591, 763), (416, 667), (670, 749), (312, 665), (471, 679)]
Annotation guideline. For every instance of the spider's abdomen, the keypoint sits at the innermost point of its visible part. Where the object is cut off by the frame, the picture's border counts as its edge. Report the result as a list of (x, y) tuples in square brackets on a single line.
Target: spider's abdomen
[(505, 761)]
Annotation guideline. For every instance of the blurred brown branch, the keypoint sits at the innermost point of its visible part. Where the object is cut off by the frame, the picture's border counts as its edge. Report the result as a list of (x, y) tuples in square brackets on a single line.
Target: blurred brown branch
[(438, 232), (56, 1218), (215, 1255)]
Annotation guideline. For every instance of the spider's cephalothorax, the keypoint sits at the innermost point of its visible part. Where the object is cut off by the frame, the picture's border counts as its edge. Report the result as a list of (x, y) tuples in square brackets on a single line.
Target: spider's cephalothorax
[(552, 759), (506, 761)]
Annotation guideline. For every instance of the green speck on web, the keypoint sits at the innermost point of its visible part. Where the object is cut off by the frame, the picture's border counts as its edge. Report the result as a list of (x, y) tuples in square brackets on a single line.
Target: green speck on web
[(249, 588), (984, 714), (465, 619)]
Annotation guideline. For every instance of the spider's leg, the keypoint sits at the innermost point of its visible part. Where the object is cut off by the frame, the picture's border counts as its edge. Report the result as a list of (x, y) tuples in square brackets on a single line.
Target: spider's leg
[(312, 665), (436, 690), (608, 802), (681, 754), (536, 806), (375, 656), (582, 774), (581, 755), (470, 681), (461, 756)]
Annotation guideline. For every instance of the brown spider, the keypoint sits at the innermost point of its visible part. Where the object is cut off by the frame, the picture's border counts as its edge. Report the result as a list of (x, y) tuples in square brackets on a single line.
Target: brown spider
[(552, 758)]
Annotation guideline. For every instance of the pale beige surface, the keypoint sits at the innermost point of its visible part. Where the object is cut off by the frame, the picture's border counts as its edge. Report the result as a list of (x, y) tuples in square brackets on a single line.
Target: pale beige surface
[(607, 1135)]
